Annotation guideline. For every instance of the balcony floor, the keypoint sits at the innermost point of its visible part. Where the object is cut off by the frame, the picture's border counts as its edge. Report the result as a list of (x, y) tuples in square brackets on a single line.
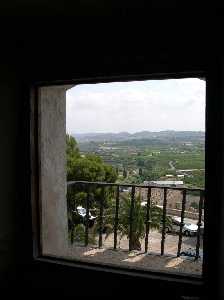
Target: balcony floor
[(139, 260)]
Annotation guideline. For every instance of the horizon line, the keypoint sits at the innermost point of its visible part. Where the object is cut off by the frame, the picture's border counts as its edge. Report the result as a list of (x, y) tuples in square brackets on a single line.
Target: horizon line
[(110, 132)]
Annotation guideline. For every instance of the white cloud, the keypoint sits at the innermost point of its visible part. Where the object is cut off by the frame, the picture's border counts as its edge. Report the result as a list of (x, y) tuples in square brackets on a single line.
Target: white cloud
[(153, 105)]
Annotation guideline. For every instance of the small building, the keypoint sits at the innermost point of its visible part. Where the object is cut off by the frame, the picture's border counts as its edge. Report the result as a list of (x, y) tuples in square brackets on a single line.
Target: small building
[(171, 183), (169, 176), (180, 176)]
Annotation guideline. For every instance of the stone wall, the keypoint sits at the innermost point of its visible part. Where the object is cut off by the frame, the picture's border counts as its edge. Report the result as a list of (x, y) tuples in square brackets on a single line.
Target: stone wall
[(174, 198), (187, 214)]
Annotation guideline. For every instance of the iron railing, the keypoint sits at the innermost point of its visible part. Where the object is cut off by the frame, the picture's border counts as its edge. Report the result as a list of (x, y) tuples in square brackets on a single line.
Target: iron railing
[(149, 188)]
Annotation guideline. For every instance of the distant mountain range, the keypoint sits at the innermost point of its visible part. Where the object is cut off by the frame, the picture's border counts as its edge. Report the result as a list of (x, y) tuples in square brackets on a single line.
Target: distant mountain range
[(185, 136)]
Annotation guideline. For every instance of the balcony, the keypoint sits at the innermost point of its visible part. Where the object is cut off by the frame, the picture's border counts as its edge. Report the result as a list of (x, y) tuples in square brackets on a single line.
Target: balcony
[(159, 248)]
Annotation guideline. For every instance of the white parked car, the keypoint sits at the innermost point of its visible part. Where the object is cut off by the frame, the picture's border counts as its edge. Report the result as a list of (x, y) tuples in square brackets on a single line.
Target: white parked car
[(189, 229)]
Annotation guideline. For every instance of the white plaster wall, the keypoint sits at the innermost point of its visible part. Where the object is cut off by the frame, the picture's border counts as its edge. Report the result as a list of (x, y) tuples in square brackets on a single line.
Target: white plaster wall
[(52, 151)]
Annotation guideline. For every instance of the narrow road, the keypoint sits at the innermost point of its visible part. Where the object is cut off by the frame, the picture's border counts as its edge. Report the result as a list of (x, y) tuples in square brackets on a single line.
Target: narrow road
[(171, 165)]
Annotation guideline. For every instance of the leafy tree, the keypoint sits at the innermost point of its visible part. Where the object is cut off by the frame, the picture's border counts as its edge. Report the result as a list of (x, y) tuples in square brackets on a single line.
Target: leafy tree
[(153, 175), (139, 217), (72, 153), (140, 161), (89, 168), (117, 171), (110, 173), (125, 173), (149, 165), (196, 179)]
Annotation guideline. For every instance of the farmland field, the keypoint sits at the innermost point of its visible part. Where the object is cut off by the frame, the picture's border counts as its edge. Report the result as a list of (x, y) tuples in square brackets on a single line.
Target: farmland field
[(142, 159)]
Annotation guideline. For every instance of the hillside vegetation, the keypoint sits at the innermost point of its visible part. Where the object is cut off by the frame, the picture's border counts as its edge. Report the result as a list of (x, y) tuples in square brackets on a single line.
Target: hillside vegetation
[(150, 155)]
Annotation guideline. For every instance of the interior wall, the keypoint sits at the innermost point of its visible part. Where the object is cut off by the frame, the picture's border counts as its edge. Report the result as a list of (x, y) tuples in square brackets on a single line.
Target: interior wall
[(15, 218)]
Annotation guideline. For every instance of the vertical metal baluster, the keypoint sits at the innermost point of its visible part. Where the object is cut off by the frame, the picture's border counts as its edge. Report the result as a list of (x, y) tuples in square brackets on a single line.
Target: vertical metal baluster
[(148, 219), (72, 228), (181, 222), (131, 217), (116, 216), (199, 224), (164, 221), (87, 217), (101, 217), (68, 211)]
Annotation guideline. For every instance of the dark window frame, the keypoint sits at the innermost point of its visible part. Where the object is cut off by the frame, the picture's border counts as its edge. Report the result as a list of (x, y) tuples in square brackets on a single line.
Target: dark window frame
[(35, 204)]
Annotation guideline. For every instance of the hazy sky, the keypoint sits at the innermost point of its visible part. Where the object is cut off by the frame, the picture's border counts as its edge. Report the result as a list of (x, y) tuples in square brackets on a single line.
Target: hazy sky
[(153, 105)]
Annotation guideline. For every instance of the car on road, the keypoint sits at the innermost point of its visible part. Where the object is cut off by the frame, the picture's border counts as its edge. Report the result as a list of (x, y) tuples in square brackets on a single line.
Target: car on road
[(189, 229)]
